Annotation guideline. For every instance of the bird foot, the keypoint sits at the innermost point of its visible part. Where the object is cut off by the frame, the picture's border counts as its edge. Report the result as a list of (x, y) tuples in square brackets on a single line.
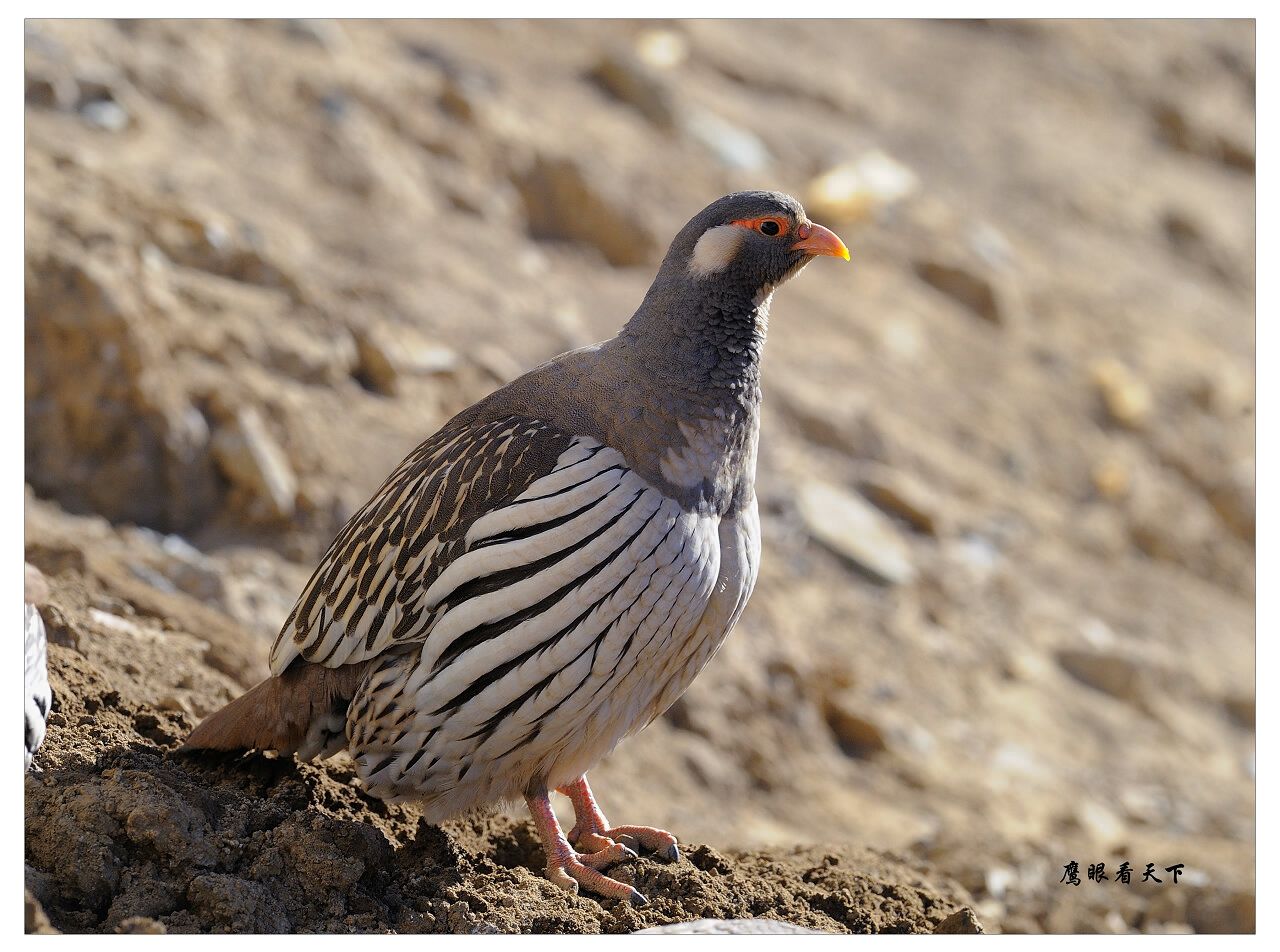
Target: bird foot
[(568, 868), (593, 832), (631, 838), (573, 870)]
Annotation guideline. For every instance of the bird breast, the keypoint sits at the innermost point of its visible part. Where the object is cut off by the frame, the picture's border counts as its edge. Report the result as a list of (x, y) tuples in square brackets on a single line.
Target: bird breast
[(718, 452), (575, 615)]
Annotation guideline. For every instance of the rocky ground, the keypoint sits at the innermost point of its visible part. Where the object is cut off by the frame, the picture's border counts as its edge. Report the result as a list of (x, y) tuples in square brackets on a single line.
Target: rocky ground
[(1005, 618)]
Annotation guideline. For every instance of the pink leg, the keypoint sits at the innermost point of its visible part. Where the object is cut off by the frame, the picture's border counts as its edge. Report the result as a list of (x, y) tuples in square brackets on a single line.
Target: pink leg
[(568, 868), (593, 831)]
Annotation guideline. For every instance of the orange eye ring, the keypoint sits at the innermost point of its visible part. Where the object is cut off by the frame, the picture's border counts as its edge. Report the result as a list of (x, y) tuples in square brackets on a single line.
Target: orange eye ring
[(770, 227)]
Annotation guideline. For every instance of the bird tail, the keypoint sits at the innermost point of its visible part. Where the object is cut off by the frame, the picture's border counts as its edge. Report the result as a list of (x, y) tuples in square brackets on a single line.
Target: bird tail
[(300, 711)]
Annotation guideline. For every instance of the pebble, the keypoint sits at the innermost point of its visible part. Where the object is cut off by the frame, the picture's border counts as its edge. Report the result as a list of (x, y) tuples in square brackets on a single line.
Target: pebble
[(903, 340), (902, 495), (1125, 397), (858, 189), (55, 89), (105, 114), (631, 80), (384, 354), (662, 49), (564, 202), (857, 531), (977, 292), (734, 147), (323, 33), (1242, 710), (1104, 671), (730, 927), (961, 922), (1110, 479), (857, 735), (250, 458)]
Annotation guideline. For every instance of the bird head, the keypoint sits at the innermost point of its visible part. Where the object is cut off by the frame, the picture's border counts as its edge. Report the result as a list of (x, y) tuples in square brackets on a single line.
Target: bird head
[(752, 240)]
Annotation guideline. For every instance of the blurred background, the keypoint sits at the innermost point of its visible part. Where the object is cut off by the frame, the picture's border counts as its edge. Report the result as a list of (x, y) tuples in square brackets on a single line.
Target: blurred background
[(1005, 616)]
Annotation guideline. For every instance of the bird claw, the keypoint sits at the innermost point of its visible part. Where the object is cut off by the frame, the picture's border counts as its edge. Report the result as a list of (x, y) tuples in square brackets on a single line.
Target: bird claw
[(601, 859), (576, 871), (562, 879), (647, 837)]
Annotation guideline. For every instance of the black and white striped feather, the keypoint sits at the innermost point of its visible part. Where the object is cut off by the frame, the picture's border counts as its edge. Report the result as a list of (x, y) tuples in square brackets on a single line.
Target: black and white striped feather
[(528, 616)]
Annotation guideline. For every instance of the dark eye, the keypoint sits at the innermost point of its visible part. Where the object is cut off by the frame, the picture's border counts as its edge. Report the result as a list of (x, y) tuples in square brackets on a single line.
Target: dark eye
[(770, 227)]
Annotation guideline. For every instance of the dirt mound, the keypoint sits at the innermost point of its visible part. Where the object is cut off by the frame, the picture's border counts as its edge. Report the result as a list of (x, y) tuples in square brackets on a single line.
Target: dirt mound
[(125, 835)]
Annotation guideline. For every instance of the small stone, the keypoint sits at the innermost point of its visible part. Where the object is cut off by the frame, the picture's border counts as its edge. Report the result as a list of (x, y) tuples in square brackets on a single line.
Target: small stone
[(36, 921), (998, 879), (662, 49), (251, 459), (631, 80), (1124, 396), (375, 367), (1026, 664), (858, 736), (173, 702), (736, 148), (564, 202), (900, 494), (105, 114), (1104, 671), (975, 291), (1223, 390), (729, 927), (903, 340), (961, 922), (387, 353), (429, 359), (141, 925), (52, 90), (1110, 479), (1234, 499), (462, 97), (856, 531), (989, 243), (323, 33), (858, 189), (1242, 710), (1017, 759)]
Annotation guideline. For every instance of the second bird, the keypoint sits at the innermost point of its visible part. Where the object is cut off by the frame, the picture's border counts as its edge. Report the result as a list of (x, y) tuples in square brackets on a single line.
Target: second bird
[(548, 572)]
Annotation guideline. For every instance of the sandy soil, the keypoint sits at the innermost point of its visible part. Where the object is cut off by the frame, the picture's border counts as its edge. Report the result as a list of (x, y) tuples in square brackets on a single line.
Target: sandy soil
[(1005, 617)]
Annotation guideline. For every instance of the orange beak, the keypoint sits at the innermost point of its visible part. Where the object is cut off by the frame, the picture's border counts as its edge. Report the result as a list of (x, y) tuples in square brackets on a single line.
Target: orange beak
[(816, 240)]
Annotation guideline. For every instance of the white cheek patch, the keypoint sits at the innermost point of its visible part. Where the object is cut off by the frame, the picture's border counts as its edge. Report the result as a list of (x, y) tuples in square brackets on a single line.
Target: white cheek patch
[(715, 249)]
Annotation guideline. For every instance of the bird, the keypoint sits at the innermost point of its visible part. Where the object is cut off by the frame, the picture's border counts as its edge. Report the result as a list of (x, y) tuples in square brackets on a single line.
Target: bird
[(549, 571), (37, 696)]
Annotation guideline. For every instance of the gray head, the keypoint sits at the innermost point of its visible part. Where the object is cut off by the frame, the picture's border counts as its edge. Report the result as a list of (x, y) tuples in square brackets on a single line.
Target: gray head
[(705, 313), (748, 242)]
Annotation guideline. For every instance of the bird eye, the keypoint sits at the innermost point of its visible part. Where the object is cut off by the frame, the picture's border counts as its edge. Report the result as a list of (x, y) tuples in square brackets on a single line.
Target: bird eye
[(770, 227)]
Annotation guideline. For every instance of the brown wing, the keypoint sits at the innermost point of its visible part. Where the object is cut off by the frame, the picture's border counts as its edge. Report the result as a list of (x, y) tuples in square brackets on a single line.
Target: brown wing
[(367, 593)]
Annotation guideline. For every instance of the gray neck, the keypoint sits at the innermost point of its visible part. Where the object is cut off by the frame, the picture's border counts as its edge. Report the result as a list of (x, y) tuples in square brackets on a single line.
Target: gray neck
[(710, 357)]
